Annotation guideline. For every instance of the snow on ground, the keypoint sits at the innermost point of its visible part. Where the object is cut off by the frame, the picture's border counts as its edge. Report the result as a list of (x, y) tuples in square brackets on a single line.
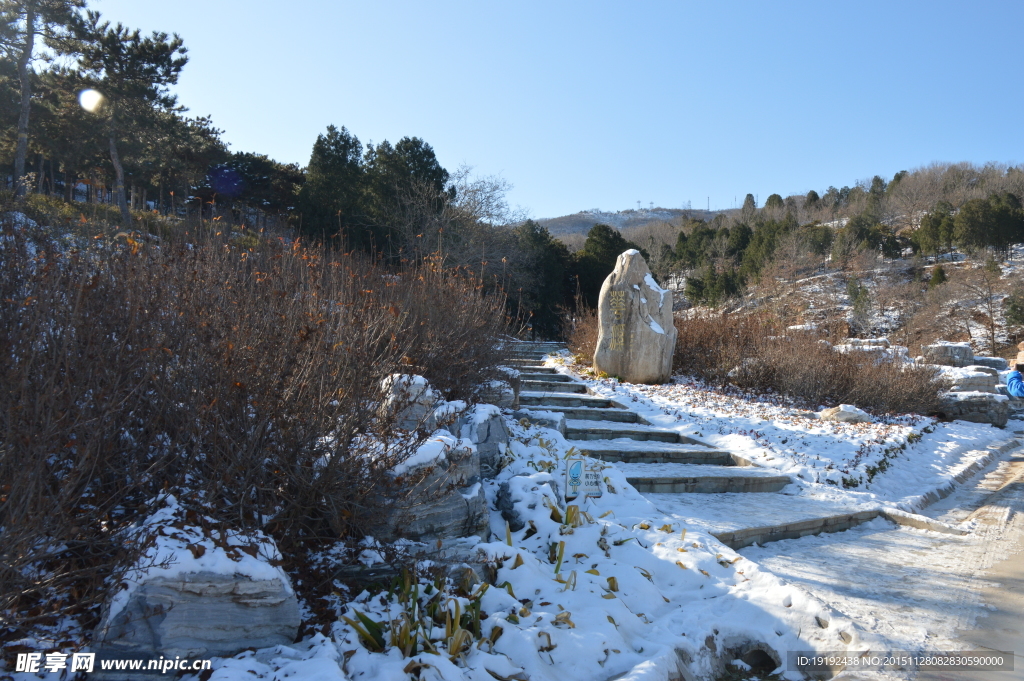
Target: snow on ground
[(893, 461), (908, 589), (621, 591), (637, 579), (912, 589)]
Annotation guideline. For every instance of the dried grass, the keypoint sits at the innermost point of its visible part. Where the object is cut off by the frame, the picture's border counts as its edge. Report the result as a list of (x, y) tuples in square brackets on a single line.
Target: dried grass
[(754, 352), (244, 381)]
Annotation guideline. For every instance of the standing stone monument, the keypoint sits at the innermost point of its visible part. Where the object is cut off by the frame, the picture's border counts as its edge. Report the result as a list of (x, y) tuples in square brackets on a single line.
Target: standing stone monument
[(637, 335)]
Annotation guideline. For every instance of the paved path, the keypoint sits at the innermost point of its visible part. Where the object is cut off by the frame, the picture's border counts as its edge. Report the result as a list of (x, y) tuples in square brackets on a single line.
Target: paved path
[(1000, 625), (916, 590)]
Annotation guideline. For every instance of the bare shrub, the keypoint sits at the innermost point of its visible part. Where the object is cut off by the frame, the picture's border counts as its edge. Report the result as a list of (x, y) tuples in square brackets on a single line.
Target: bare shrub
[(750, 352), (581, 330), (244, 382)]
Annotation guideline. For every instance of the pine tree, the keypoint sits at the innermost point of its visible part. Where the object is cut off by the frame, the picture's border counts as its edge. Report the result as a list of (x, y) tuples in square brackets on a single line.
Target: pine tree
[(23, 23), (133, 74), (331, 198), (596, 260)]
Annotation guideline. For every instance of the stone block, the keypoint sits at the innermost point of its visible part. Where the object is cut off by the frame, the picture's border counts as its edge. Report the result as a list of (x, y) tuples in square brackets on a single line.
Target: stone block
[(977, 407), (485, 426), (539, 417), (499, 393), (868, 342), (997, 363), (446, 500), (637, 334), (983, 369), (410, 400), (197, 615), (948, 354), (974, 379)]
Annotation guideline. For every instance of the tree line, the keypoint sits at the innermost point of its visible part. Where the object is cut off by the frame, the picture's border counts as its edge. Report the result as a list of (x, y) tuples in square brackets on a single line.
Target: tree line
[(89, 116), (930, 211)]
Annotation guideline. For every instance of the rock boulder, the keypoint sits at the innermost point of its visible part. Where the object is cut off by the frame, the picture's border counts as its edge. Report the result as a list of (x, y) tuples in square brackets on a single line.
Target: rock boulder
[(637, 335), (997, 363), (978, 407), (485, 427), (972, 379), (446, 498), (410, 400), (846, 413), (201, 614), (948, 354)]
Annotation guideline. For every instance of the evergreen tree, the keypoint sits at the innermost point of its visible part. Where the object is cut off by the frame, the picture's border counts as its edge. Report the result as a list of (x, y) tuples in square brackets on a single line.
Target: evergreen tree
[(936, 232), (596, 260), (811, 200), (896, 179), (406, 190), (974, 224), (1007, 221), (819, 237), (331, 199), (876, 194), (24, 22), (774, 201), (739, 238), (749, 205), (133, 73), (544, 297)]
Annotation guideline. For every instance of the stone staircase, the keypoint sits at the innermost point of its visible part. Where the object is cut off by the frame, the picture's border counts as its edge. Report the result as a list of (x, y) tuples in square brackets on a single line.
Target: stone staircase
[(736, 501), (655, 460)]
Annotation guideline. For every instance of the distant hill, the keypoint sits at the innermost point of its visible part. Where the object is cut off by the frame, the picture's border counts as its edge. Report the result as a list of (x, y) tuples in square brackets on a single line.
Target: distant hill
[(580, 223)]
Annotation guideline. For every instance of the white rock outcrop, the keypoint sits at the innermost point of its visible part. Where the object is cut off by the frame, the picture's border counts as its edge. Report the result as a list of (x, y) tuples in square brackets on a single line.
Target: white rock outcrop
[(410, 400), (845, 413), (196, 592), (948, 354), (637, 335), (978, 407), (442, 494), (975, 378)]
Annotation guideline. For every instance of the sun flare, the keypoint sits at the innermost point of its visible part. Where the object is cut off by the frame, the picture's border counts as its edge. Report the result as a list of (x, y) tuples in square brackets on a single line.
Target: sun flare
[(91, 100)]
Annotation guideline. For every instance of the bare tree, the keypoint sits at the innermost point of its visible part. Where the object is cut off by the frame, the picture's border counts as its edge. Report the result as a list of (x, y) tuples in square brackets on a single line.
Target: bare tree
[(985, 286)]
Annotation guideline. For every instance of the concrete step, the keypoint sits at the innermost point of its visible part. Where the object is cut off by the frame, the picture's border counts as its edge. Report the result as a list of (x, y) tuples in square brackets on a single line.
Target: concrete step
[(534, 399), (524, 365), (739, 520), (591, 414), (554, 387), (557, 344), (532, 376), (578, 429), (532, 352), (674, 478), (658, 452), (530, 369)]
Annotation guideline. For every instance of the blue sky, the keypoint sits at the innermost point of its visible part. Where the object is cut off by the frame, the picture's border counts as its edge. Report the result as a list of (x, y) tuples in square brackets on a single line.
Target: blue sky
[(599, 104)]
